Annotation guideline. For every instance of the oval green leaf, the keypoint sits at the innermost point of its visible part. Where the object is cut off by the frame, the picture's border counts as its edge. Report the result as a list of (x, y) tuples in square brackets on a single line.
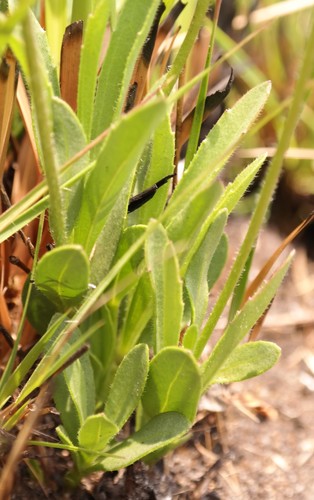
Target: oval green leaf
[(247, 361), (173, 384), (63, 275), (96, 432)]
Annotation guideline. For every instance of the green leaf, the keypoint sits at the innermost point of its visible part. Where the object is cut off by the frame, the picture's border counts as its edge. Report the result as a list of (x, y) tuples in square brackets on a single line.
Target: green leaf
[(114, 168), (63, 275), (190, 337), (131, 271), (247, 361), (74, 392), (235, 190), (69, 139), (173, 384), (196, 275), (198, 9), (161, 164), (62, 435), (128, 385), (184, 226), (239, 290), (218, 262), (16, 14), (42, 41), (69, 136), (92, 43), (139, 312), (156, 434), (241, 325), (40, 309), (96, 432), (81, 10), (56, 22), (163, 264), (129, 237), (107, 242), (218, 146), (133, 24), (102, 348)]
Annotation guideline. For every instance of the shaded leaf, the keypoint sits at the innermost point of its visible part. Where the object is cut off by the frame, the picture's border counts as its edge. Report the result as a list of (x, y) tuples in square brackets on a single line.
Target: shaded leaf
[(157, 433), (74, 392), (196, 274), (139, 312), (63, 275), (218, 262), (40, 309)]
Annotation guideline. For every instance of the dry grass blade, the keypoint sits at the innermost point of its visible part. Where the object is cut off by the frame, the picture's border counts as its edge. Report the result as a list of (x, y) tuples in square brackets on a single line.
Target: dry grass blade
[(138, 86), (70, 61), (278, 10), (167, 26), (12, 462), (8, 82), (291, 153), (166, 53), (271, 261), (258, 325), (25, 111)]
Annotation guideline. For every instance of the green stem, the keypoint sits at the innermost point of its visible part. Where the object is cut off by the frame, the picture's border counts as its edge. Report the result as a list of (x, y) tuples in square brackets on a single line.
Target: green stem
[(43, 112), (181, 57), (200, 106), (266, 195)]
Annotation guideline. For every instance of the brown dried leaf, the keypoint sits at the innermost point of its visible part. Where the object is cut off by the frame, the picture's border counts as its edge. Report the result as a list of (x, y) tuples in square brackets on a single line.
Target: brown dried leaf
[(70, 62)]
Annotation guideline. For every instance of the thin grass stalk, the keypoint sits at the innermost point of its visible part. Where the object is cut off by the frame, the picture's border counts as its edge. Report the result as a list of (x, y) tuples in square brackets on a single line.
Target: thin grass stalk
[(181, 57), (200, 106), (267, 192), (41, 100), (19, 444)]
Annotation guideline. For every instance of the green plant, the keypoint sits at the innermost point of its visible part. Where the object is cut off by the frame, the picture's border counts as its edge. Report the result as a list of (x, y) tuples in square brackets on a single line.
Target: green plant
[(134, 286)]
